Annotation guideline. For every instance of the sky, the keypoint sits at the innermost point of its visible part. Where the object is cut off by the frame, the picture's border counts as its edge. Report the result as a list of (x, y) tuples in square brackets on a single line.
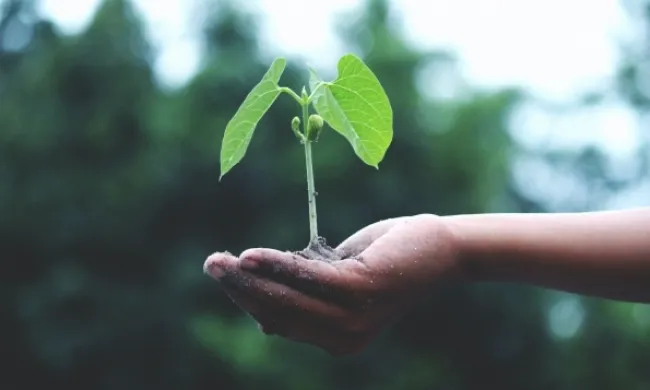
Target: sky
[(553, 48)]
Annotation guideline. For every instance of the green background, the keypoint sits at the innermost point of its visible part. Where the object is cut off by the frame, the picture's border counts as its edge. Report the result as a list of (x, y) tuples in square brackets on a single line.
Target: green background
[(110, 202)]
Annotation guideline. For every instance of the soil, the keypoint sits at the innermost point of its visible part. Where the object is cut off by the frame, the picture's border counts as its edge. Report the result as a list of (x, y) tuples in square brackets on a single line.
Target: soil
[(319, 250)]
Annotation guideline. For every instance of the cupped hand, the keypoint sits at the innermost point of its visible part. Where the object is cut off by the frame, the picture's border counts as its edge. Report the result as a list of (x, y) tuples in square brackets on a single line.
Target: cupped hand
[(341, 306)]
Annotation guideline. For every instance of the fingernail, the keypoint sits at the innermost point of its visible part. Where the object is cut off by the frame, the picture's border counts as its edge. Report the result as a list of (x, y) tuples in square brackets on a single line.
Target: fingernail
[(211, 268)]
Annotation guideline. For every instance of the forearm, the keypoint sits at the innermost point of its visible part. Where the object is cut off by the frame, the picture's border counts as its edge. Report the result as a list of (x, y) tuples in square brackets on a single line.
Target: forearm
[(605, 254)]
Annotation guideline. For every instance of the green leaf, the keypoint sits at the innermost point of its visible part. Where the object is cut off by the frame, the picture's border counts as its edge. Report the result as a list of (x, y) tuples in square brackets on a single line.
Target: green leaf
[(356, 106), (240, 129)]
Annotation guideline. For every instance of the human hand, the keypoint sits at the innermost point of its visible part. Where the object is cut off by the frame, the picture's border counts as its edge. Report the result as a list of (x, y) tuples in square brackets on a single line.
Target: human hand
[(341, 306)]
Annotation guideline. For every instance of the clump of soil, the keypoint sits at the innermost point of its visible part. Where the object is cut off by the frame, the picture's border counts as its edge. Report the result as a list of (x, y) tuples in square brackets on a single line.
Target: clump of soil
[(319, 250)]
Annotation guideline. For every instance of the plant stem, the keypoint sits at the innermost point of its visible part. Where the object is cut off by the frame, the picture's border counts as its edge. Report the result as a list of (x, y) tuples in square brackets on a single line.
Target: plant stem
[(311, 189), (290, 92), (313, 93)]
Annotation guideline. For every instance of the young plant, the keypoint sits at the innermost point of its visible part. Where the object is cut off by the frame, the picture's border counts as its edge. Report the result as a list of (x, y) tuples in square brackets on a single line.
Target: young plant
[(354, 105)]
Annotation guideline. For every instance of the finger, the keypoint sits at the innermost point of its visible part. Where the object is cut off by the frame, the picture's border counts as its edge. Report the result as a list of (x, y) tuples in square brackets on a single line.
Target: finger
[(419, 241), (217, 264), (224, 267), (359, 241), (390, 249), (267, 299), (329, 282), (281, 310)]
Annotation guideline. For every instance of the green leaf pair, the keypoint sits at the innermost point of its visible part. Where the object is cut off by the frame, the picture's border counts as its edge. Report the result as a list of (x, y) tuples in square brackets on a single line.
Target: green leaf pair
[(355, 105)]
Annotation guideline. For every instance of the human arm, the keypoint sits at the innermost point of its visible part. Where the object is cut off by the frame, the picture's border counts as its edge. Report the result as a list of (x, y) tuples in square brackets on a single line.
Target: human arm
[(341, 306), (604, 254)]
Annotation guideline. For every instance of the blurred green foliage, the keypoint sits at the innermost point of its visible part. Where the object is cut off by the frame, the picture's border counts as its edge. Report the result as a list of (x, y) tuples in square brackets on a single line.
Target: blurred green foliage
[(109, 203)]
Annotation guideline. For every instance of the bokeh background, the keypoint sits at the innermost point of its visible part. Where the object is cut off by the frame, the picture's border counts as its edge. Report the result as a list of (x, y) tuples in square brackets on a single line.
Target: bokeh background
[(111, 118)]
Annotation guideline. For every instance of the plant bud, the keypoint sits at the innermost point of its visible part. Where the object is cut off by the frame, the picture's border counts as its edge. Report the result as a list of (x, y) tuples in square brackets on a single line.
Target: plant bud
[(314, 127), (295, 123), (295, 126)]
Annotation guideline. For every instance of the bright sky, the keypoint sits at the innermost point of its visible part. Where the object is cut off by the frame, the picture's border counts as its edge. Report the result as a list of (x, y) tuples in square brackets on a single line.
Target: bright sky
[(555, 48)]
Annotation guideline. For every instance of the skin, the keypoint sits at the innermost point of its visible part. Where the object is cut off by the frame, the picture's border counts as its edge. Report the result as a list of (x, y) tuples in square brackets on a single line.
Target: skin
[(389, 265)]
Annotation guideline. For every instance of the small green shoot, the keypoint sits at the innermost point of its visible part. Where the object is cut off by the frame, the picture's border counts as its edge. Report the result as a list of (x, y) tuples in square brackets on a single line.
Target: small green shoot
[(355, 105)]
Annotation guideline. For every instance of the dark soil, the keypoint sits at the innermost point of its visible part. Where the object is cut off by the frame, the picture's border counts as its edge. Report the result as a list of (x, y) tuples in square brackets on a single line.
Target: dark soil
[(319, 250)]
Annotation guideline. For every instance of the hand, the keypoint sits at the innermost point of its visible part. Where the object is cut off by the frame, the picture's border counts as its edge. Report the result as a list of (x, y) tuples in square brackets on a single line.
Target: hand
[(341, 306)]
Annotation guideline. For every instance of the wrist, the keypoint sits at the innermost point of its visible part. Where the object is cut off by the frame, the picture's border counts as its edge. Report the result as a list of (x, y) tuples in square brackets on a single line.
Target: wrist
[(467, 254), (446, 247)]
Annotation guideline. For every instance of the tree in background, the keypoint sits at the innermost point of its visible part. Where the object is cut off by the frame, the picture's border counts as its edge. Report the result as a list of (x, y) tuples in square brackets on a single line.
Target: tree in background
[(110, 203)]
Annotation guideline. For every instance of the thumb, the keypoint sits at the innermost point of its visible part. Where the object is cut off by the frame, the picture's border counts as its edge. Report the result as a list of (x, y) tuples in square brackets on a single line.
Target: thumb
[(415, 252), (363, 238), (414, 242)]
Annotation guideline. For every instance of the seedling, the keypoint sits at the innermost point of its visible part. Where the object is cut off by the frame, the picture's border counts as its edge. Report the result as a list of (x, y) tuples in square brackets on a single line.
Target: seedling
[(354, 105)]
